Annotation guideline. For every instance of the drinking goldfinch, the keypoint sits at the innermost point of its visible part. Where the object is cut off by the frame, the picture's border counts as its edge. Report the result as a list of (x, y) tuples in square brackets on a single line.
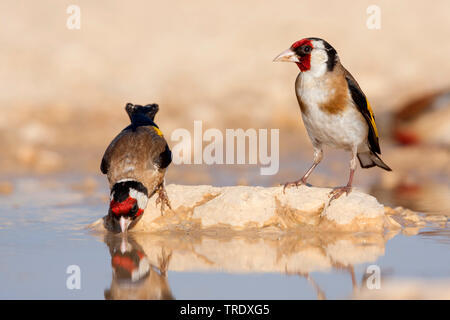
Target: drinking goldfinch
[(334, 109), (135, 163)]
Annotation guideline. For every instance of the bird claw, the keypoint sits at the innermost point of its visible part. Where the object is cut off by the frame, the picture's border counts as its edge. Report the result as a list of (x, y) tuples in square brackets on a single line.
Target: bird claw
[(294, 183), (163, 199), (337, 192)]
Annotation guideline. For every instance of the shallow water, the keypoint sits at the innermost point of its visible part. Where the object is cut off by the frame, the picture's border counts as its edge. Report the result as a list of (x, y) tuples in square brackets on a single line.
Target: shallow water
[(42, 233)]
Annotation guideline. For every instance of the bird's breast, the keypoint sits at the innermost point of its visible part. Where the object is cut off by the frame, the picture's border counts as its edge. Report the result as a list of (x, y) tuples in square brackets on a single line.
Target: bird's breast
[(328, 112), (329, 92)]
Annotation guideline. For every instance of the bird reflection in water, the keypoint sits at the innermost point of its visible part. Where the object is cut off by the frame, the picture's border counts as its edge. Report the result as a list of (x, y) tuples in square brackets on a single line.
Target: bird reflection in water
[(134, 277), (140, 262)]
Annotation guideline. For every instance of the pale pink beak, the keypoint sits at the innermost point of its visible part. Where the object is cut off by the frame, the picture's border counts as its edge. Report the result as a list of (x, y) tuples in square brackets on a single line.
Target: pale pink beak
[(124, 223), (287, 56)]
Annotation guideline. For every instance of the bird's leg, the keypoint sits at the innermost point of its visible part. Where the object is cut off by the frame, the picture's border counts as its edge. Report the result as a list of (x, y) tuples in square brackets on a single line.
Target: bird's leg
[(337, 192), (164, 261), (162, 198), (318, 155)]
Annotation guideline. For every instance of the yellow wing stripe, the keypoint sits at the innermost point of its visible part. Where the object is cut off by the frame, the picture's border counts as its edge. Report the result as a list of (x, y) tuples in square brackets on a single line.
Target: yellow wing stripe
[(159, 133), (372, 119)]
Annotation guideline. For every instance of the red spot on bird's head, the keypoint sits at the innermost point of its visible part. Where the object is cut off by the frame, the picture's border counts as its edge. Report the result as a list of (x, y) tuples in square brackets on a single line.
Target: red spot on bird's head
[(304, 57), (128, 207), (124, 262), (302, 42)]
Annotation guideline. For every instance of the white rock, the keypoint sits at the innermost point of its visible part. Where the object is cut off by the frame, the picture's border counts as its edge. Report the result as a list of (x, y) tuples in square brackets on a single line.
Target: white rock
[(243, 207), (356, 205), (238, 207)]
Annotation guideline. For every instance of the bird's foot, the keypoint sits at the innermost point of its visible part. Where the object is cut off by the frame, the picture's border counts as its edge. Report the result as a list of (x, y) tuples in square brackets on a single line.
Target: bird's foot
[(163, 199), (337, 192), (294, 183)]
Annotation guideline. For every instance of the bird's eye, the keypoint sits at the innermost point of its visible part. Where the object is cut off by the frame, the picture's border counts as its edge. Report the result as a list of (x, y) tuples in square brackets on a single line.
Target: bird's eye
[(307, 49)]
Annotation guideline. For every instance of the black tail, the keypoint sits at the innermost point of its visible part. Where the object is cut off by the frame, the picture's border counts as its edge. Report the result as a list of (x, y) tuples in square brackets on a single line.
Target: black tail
[(370, 159), (135, 110)]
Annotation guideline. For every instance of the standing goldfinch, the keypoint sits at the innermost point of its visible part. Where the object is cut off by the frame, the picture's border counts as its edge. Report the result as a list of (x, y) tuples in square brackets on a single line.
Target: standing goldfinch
[(334, 109), (135, 163)]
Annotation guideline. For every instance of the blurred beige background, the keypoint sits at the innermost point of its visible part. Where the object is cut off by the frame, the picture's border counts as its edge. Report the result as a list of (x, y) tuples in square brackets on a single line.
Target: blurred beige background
[(63, 91)]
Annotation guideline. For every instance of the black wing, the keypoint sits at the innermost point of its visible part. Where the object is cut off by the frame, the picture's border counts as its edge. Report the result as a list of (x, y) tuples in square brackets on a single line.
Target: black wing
[(363, 106), (164, 158), (104, 166)]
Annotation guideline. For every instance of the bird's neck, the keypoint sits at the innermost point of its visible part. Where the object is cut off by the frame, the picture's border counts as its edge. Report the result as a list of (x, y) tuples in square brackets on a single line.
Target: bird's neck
[(315, 71)]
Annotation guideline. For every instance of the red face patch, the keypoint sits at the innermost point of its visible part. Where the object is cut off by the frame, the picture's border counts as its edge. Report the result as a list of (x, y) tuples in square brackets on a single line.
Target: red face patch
[(129, 262), (124, 262), (300, 43), (305, 60), (122, 208)]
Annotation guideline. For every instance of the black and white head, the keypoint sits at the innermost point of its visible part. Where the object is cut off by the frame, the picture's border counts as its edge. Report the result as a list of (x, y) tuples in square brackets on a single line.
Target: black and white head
[(313, 55), (128, 201)]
